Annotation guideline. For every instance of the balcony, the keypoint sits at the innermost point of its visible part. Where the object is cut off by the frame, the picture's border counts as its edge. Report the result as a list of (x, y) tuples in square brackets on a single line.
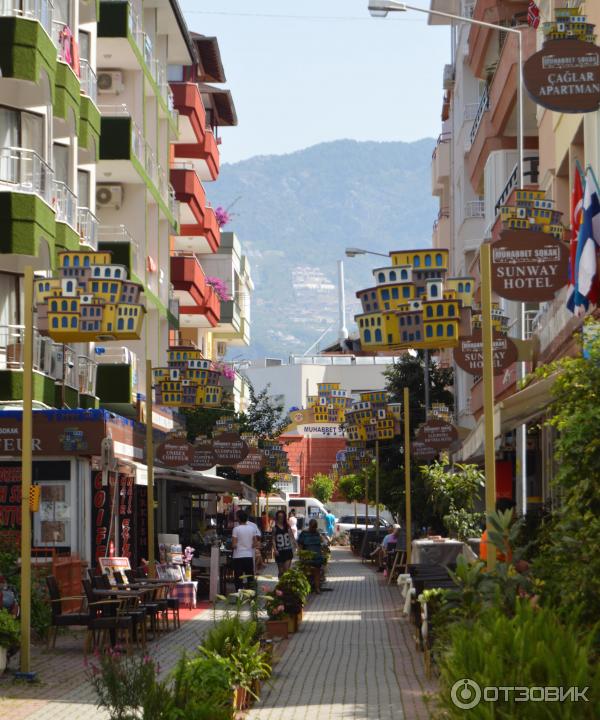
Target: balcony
[(26, 202), (65, 204), (60, 375), (441, 230), (495, 125), (125, 250), (89, 83), (117, 378), (192, 116), (440, 164), (199, 230), (87, 227), (199, 305), (25, 37), (234, 327)]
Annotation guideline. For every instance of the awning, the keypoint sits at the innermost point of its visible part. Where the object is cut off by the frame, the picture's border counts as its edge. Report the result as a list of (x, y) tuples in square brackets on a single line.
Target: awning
[(515, 410), (207, 483)]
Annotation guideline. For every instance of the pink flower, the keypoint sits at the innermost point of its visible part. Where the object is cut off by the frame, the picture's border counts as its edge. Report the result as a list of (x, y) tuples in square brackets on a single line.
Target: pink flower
[(280, 608), (279, 592)]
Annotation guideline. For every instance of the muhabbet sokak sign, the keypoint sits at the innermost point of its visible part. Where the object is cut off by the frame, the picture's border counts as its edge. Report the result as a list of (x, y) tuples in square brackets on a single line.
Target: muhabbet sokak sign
[(469, 353), (528, 266)]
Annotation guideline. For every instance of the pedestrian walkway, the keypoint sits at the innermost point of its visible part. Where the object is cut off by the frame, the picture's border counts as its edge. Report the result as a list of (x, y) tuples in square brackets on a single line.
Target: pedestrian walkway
[(354, 657)]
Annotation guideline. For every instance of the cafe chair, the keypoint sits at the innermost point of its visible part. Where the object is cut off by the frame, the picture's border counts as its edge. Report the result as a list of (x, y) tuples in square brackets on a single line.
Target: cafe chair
[(106, 619), (61, 618)]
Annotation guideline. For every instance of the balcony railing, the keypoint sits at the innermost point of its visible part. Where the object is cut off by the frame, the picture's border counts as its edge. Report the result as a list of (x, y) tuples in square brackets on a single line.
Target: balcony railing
[(120, 234), (24, 170), (484, 104), (65, 204), (443, 214), (443, 138), (474, 209), (87, 227), (89, 84), (470, 112), (40, 10), (173, 204), (55, 360)]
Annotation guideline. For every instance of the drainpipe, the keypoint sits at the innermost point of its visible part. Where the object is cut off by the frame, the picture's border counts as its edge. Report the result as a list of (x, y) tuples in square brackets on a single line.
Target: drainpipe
[(343, 331)]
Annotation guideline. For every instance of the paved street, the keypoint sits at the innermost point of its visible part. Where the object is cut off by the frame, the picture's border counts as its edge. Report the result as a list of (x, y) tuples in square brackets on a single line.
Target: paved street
[(354, 657)]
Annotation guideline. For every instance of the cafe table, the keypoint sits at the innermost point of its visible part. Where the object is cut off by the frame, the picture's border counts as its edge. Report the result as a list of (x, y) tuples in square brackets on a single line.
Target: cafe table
[(436, 552)]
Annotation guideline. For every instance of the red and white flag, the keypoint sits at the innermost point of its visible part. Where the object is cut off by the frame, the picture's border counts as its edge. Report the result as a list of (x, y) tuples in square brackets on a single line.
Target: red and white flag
[(533, 15)]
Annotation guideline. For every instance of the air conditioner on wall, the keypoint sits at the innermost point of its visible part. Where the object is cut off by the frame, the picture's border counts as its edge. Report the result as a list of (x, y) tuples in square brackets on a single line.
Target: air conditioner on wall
[(110, 81), (109, 196), (221, 349)]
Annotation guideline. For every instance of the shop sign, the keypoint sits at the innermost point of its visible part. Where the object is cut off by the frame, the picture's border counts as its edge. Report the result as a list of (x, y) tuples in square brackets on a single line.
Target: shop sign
[(175, 453), (54, 433), (253, 463), (564, 76), (126, 515), (10, 504), (421, 451), (229, 449), (437, 434), (100, 514), (204, 455), (528, 266), (469, 353)]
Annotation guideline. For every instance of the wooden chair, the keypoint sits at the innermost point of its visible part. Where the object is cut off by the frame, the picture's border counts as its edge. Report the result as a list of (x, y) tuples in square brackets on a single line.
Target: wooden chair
[(106, 619), (59, 617)]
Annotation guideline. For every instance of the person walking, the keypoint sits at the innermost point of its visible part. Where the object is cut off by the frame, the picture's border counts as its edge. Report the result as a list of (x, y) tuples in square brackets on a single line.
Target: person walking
[(284, 543), (244, 541), (329, 524), (293, 523), (310, 540)]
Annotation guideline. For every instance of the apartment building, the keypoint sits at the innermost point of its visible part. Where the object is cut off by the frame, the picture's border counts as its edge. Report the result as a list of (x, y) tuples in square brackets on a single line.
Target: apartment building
[(94, 151), (475, 173)]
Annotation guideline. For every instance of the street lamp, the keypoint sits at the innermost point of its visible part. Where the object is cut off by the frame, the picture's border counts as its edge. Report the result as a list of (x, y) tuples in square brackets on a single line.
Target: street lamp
[(353, 252), (380, 8)]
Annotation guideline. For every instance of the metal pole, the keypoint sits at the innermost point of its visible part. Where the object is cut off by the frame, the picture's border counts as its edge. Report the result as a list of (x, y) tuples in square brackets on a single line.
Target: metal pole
[(343, 331), (521, 111), (26, 472), (488, 395), (377, 488), (407, 499), (426, 382), (150, 466)]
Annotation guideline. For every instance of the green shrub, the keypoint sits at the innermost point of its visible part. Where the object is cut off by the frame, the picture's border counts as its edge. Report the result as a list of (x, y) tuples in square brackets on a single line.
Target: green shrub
[(202, 689), (9, 630), (531, 649)]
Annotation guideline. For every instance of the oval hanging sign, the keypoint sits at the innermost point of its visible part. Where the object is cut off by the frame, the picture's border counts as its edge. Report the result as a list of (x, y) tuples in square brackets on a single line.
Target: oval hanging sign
[(421, 451), (229, 449), (175, 453), (528, 266), (437, 434), (565, 76), (469, 353), (204, 455), (253, 463)]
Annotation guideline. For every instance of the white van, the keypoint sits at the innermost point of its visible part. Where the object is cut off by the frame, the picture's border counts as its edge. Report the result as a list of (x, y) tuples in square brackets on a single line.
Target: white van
[(306, 509)]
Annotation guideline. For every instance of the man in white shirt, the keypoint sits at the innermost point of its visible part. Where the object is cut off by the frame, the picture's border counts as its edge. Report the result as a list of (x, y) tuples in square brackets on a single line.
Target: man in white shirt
[(244, 539)]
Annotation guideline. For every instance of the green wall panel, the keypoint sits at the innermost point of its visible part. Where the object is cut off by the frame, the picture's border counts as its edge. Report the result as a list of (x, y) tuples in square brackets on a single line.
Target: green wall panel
[(66, 238), (89, 402), (26, 49), (11, 387), (113, 383), (89, 124), (114, 19), (115, 138), (67, 92), (25, 219)]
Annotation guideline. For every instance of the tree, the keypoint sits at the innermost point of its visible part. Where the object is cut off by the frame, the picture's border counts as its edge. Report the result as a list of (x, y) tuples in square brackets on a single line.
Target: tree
[(265, 417), (351, 488), (322, 487)]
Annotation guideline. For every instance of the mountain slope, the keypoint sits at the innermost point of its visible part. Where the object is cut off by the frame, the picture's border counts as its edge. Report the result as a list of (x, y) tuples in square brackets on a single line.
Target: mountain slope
[(295, 215)]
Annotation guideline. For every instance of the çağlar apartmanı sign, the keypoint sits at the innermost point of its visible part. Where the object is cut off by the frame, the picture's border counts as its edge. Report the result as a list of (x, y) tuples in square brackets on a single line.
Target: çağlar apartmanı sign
[(469, 353), (565, 76), (528, 266)]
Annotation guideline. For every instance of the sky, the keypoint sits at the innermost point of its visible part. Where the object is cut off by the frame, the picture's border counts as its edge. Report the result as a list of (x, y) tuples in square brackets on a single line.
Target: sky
[(309, 71)]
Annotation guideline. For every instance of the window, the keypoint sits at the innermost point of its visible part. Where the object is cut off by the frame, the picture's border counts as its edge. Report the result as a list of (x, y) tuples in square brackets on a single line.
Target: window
[(467, 287), (381, 277), (405, 292), (417, 334), (429, 311), (451, 311), (73, 305), (429, 331), (113, 287), (416, 261), (439, 311), (367, 336), (433, 290), (440, 331), (76, 261), (120, 324), (409, 320), (64, 306), (461, 287), (96, 272), (401, 322), (130, 323), (69, 286), (117, 273), (66, 261), (394, 293), (450, 331), (107, 272), (439, 260), (20, 129), (74, 322), (403, 275), (54, 306), (385, 294), (104, 287), (417, 320), (427, 260), (392, 275), (64, 322), (55, 322), (95, 287), (378, 335), (390, 338)]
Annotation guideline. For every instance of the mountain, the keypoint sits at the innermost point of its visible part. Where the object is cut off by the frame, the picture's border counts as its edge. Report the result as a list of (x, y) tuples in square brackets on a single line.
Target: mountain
[(295, 214)]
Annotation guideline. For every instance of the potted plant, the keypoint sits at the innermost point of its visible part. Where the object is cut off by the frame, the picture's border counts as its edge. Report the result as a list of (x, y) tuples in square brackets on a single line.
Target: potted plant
[(277, 624), (295, 588), (9, 636)]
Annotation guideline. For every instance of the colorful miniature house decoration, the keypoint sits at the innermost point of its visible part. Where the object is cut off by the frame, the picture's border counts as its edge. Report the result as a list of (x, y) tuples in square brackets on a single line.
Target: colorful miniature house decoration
[(373, 418), (534, 212), (570, 24), (414, 304), (277, 458), (91, 300), (330, 403), (188, 381)]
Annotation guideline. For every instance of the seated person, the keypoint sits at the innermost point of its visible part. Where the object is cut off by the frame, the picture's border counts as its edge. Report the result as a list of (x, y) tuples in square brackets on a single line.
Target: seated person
[(388, 545)]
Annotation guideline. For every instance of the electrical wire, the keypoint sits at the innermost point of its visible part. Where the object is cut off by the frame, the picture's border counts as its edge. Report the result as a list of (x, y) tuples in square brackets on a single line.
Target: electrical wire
[(273, 16)]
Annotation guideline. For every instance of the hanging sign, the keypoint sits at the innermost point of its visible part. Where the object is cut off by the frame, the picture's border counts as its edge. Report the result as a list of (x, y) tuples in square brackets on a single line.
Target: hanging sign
[(528, 266), (203, 457), (175, 453), (229, 449), (437, 434), (421, 451), (469, 353), (253, 463), (565, 76)]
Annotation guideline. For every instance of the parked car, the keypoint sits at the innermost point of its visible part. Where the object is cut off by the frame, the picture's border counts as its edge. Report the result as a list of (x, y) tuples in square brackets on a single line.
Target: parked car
[(346, 523)]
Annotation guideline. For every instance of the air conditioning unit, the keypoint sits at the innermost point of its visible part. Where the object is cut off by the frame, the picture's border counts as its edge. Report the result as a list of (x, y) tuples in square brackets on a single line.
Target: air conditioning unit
[(110, 81), (109, 196), (221, 349)]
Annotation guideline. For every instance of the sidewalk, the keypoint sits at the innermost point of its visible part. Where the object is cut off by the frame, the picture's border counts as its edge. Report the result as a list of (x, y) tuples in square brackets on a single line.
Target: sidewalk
[(354, 657)]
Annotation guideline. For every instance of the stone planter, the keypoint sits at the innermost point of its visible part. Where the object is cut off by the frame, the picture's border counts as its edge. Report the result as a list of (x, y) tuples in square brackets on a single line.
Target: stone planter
[(277, 628)]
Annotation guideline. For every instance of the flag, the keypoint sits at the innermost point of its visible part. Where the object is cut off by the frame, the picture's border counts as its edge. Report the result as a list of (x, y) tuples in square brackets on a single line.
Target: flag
[(576, 217), (533, 15), (587, 284)]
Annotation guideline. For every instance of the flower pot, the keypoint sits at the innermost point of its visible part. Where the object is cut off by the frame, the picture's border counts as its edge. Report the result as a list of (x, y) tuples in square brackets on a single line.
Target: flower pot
[(291, 623), (239, 698), (277, 628), (2, 659)]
